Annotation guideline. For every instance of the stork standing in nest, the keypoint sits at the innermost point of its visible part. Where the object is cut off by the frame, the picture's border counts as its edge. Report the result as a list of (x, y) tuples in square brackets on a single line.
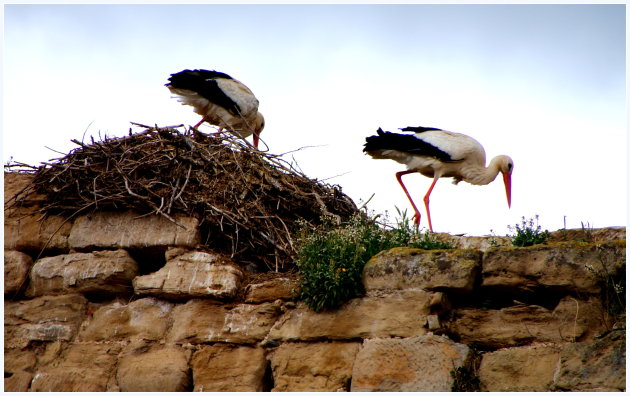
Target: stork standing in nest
[(437, 153), (220, 100)]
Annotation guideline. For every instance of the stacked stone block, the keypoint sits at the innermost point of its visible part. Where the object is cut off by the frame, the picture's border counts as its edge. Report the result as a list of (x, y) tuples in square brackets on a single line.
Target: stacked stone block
[(117, 301)]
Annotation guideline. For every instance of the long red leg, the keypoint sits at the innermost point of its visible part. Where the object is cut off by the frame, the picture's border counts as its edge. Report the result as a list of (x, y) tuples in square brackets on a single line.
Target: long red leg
[(416, 216), (199, 123), (426, 202)]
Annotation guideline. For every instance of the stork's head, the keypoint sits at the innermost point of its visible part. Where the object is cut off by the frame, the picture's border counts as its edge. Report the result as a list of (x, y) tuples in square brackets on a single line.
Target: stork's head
[(259, 125), (506, 165)]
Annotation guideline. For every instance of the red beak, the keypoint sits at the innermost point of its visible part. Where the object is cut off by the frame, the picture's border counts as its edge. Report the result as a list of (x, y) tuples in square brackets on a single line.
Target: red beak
[(256, 138), (507, 180)]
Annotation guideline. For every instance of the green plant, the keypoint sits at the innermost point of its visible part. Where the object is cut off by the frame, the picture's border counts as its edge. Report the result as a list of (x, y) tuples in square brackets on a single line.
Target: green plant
[(612, 283), (331, 257), (331, 260), (526, 234), (404, 234), (587, 232), (494, 242)]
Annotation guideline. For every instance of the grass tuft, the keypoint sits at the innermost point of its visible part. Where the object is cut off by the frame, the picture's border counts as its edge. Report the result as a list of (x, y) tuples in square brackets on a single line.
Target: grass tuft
[(612, 283), (331, 257), (526, 234)]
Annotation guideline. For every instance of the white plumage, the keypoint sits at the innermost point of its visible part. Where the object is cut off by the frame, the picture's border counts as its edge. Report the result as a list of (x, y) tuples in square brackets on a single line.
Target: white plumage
[(436, 153), (220, 100)]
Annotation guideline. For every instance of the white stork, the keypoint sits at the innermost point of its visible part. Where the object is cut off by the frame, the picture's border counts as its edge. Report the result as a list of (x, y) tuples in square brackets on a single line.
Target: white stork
[(436, 153), (220, 100)]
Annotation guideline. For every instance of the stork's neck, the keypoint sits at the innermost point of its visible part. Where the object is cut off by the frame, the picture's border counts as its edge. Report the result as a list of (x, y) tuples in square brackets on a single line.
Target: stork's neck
[(480, 175)]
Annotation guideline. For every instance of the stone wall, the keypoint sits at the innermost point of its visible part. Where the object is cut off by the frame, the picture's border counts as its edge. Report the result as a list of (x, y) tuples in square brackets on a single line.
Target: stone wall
[(121, 302)]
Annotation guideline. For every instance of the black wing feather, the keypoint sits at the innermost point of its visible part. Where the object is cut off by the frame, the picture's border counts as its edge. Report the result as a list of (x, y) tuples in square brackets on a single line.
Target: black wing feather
[(406, 144), (419, 129), (204, 83)]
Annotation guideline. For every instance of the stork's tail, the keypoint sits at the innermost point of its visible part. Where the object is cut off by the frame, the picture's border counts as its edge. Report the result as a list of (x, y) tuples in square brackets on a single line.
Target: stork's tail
[(185, 79), (192, 79), (387, 141)]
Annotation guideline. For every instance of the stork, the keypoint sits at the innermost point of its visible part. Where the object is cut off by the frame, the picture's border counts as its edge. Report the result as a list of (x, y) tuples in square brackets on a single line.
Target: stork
[(220, 100), (437, 153)]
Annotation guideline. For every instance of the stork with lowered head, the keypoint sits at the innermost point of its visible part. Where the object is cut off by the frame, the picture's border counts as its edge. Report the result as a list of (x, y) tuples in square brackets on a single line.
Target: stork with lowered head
[(436, 153)]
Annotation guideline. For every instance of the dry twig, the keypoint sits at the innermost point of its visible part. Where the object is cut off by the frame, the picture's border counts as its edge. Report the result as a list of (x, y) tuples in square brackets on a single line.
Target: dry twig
[(248, 202)]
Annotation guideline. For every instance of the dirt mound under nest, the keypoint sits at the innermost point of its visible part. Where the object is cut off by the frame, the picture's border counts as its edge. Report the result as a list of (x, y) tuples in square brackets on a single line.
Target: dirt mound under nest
[(248, 202)]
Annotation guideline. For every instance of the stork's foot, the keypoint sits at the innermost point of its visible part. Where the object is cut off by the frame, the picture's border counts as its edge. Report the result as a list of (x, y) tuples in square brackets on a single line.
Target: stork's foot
[(416, 220)]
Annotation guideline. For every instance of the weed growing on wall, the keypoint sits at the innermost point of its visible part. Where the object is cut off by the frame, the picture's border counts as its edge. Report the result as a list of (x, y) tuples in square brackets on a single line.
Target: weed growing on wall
[(331, 257), (612, 283), (526, 234)]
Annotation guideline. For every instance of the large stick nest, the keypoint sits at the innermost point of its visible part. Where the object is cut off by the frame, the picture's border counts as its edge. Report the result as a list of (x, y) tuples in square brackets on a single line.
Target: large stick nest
[(249, 203)]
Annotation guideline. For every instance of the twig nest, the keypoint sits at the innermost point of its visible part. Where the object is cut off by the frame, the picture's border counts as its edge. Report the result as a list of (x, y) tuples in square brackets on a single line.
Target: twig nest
[(248, 202)]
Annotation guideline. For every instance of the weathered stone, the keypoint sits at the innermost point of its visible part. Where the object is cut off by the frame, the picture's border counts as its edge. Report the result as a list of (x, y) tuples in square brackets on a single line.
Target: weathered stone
[(409, 268), (52, 352), (524, 324), (146, 319), (100, 272), (521, 369), (396, 314), (16, 268), (227, 368), (16, 183), (201, 321), (313, 367), (484, 243), (117, 230), (81, 368), (145, 345), (597, 365), (172, 252), (433, 322), (193, 274), (18, 369), (158, 369), (579, 319), (589, 234), (418, 364), (271, 290), (47, 318), (481, 243), (19, 360), (18, 381), (567, 266), (25, 230)]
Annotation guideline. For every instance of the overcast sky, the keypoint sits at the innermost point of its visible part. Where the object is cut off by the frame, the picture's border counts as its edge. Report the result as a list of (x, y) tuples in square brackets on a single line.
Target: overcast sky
[(544, 84)]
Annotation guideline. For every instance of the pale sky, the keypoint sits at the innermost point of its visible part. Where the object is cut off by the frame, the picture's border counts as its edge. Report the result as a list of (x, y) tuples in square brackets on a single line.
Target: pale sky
[(544, 84)]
